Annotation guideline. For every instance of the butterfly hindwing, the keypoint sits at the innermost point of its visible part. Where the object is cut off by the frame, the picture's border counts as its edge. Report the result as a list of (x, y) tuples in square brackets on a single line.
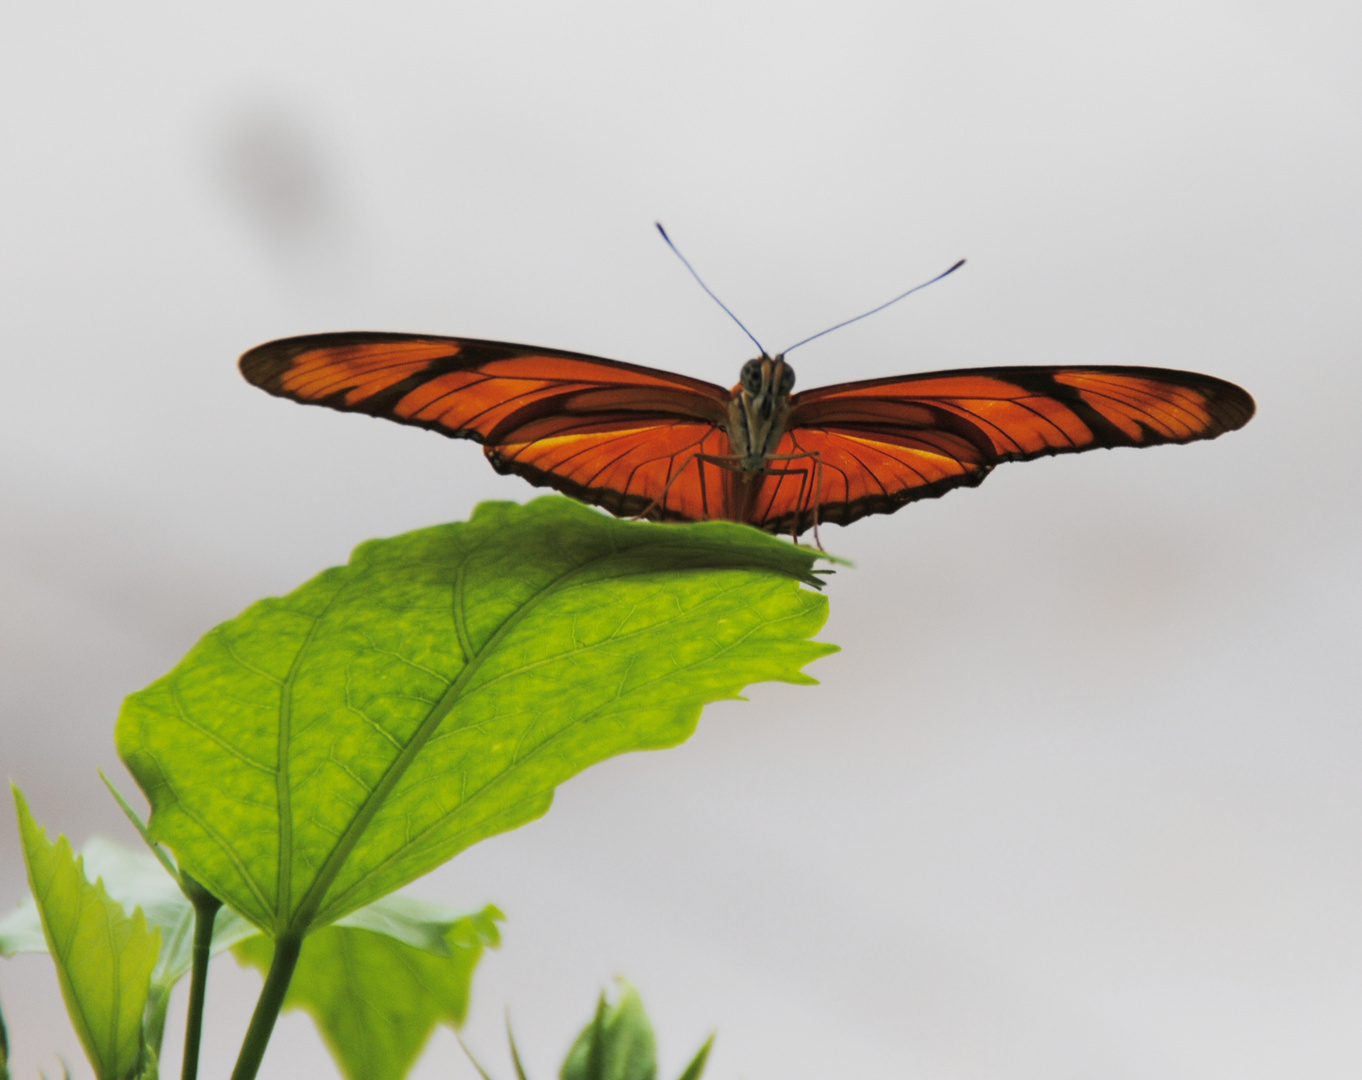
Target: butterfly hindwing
[(627, 468)]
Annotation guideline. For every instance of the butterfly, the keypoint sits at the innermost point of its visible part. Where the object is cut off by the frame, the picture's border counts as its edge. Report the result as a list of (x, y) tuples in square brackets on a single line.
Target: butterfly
[(642, 442)]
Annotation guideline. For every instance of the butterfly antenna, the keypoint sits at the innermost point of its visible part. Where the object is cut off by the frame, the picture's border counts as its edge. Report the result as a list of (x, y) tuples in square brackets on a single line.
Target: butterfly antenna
[(872, 311), (707, 288)]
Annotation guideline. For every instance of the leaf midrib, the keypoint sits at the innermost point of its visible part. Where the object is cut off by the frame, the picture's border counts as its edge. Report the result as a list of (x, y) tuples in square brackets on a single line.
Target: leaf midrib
[(283, 790), (500, 778), (350, 836)]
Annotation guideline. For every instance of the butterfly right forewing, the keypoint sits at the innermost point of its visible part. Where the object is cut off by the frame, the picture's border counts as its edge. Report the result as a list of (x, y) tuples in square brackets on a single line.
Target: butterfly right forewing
[(883, 443)]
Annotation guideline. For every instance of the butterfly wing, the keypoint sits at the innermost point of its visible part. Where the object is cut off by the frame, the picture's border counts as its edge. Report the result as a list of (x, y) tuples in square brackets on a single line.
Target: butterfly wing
[(605, 432), (883, 443)]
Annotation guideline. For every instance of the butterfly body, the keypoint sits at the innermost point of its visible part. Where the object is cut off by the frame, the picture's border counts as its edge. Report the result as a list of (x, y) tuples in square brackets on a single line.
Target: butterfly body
[(639, 441)]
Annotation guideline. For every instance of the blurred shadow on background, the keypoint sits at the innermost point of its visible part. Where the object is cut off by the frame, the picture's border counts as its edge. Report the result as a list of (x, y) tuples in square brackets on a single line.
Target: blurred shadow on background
[(272, 167)]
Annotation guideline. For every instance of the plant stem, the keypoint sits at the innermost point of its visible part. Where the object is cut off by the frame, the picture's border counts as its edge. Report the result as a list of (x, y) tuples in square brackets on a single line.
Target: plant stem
[(286, 948), (206, 907)]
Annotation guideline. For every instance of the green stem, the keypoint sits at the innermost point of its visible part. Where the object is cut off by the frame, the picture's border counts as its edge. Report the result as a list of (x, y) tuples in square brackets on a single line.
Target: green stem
[(286, 949), (206, 907)]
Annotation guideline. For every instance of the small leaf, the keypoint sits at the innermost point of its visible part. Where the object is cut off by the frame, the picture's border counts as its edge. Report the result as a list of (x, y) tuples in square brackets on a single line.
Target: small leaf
[(415, 922), (104, 958), (618, 1044), (136, 879), (135, 819), (374, 998), (21, 931), (697, 1064), (4, 1050), (324, 748), (515, 1052), (467, 1053)]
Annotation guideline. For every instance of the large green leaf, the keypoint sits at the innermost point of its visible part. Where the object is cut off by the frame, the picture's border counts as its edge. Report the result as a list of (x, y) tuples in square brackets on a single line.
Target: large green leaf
[(104, 958), (375, 999), (325, 747)]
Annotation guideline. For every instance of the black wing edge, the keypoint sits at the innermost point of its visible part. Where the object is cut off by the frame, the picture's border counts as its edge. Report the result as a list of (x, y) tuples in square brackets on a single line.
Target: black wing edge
[(1230, 405), (265, 365)]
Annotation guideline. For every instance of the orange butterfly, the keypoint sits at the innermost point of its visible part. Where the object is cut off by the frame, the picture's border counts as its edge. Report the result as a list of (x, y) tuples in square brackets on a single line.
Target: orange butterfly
[(643, 442)]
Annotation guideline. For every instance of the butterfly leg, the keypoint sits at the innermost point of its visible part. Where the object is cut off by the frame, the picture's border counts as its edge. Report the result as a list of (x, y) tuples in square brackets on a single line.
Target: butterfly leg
[(817, 495), (723, 461), (803, 475), (804, 492)]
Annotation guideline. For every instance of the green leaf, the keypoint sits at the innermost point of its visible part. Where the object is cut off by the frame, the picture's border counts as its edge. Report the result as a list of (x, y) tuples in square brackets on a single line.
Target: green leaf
[(515, 1053), (617, 1045), (104, 958), (4, 1050), (135, 819), (375, 999), (136, 880), (447, 945), (696, 1067), (326, 747), (414, 922), (21, 931)]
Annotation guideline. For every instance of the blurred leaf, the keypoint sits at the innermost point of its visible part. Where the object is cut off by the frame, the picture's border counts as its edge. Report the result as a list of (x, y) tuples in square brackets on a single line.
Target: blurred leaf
[(22, 930), (696, 1068), (515, 1053), (617, 1045), (4, 1050), (104, 958), (375, 999), (326, 747), (415, 922)]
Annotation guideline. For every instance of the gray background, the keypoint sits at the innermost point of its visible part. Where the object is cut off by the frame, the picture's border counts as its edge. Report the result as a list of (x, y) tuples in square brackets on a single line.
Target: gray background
[(1080, 797)]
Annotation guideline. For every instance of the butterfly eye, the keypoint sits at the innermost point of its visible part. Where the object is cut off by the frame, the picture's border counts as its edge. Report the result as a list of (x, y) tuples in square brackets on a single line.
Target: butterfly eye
[(751, 377), (786, 380)]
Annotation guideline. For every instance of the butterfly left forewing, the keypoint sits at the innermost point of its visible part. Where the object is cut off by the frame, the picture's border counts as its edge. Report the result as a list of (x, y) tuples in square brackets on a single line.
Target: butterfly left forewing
[(461, 387), (602, 431)]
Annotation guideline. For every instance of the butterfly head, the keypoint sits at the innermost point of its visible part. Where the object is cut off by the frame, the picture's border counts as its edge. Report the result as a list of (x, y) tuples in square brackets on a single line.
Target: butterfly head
[(765, 381), (759, 410)]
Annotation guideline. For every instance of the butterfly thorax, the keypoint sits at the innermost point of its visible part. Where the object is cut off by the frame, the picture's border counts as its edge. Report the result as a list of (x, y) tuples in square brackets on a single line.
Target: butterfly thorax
[(759, 411)]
